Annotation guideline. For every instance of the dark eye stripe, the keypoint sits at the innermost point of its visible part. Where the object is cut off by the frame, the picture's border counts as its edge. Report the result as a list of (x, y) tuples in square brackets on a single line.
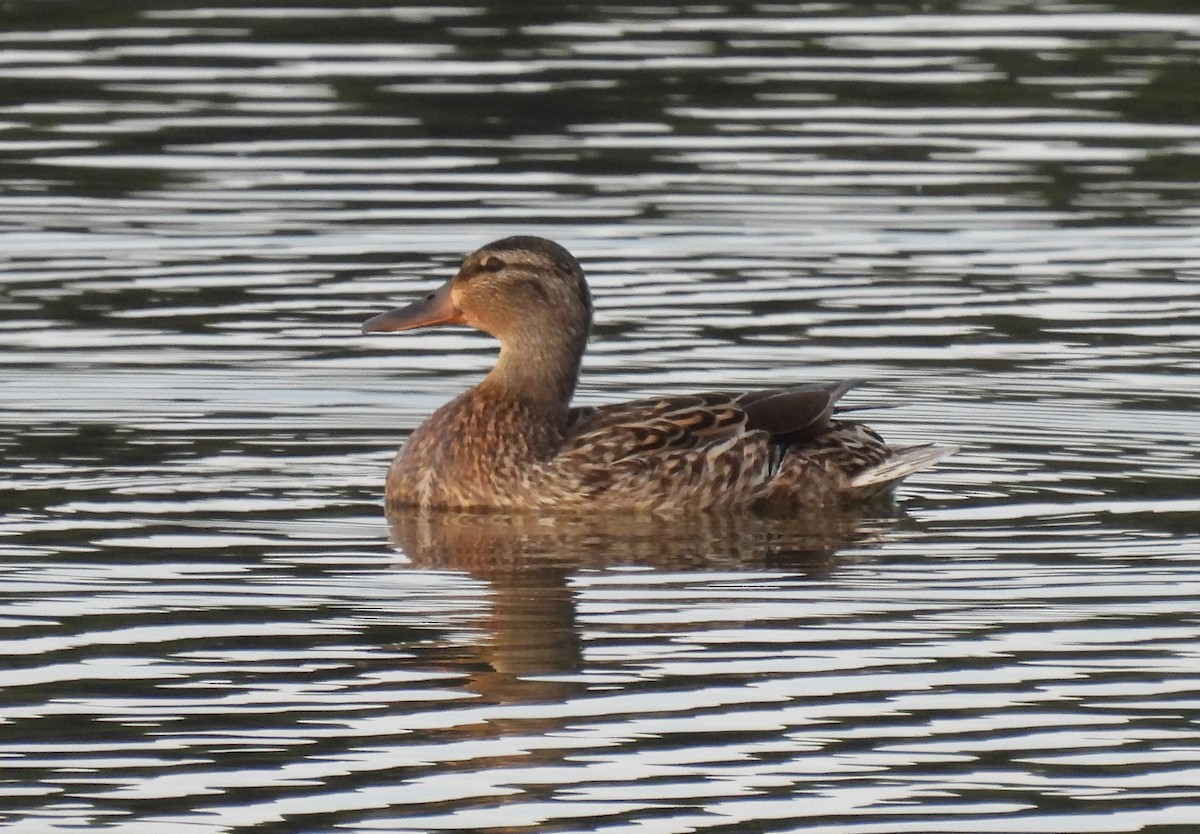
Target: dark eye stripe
[(493, 264)]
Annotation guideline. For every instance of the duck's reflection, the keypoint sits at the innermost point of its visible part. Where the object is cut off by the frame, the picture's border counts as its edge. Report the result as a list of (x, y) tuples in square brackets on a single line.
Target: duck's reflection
[(527, 559)]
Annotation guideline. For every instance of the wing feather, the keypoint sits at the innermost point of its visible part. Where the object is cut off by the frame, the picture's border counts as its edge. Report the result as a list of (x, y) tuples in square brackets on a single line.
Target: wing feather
[(607, 434), (714, 449), (624, 430)]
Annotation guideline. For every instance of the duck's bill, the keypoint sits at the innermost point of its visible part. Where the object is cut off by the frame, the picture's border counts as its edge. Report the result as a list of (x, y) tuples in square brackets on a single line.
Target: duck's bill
[(435, 308)]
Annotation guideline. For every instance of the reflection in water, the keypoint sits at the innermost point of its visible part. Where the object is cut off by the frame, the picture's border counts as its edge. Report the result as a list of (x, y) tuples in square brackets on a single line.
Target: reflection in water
[(493, 545), (528, 559)]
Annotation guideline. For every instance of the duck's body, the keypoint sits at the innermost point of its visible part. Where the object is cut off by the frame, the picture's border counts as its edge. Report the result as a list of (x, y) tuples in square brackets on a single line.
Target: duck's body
[(514, 443)]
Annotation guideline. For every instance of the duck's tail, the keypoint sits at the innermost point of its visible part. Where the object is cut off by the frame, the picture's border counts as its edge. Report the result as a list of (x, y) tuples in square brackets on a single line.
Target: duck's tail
[(902, 462)]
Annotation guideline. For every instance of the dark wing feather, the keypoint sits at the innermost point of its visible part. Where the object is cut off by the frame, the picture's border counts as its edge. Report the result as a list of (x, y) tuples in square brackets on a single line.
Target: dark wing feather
[(578, 414), (790, 415)]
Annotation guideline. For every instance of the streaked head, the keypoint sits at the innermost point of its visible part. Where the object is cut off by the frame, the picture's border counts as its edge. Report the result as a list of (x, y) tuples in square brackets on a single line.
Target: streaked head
[(512, 288)]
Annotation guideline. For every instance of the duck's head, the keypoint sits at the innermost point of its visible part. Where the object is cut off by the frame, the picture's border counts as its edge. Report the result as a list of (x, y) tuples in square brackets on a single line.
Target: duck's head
[(519, 289)]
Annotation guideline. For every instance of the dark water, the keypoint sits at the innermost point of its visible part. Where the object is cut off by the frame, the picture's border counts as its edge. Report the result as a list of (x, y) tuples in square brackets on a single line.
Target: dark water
[(989, 210)]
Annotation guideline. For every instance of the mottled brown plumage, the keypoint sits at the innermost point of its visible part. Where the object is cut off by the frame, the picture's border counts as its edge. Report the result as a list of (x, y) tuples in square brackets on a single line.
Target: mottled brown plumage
[(514, 443)]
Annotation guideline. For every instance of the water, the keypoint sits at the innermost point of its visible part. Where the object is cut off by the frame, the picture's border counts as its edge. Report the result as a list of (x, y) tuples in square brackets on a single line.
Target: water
[(208, 625)]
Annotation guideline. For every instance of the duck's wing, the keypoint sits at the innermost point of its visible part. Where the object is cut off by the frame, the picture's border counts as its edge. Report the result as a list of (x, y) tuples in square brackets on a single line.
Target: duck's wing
[(774, 449), (697, 421), (712, 450), (664, 454), (790, 415), (609, 433)]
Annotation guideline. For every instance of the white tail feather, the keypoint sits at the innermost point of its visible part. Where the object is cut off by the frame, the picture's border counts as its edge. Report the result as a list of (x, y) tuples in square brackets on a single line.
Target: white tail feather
[(901, 464)]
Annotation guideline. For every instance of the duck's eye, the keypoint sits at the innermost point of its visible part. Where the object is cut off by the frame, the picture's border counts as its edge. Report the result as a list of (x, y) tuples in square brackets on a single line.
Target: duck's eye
[(493, 264)]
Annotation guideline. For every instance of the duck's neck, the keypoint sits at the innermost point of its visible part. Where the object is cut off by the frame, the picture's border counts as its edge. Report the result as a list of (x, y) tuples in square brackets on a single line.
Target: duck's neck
[(539, 373)]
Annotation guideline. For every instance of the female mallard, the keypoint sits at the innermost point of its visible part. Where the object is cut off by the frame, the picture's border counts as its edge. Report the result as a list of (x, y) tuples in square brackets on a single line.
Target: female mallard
[(514, 443)]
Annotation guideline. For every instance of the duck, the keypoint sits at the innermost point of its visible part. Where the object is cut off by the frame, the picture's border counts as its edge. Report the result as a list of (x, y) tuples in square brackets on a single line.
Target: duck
[(514, 442)]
